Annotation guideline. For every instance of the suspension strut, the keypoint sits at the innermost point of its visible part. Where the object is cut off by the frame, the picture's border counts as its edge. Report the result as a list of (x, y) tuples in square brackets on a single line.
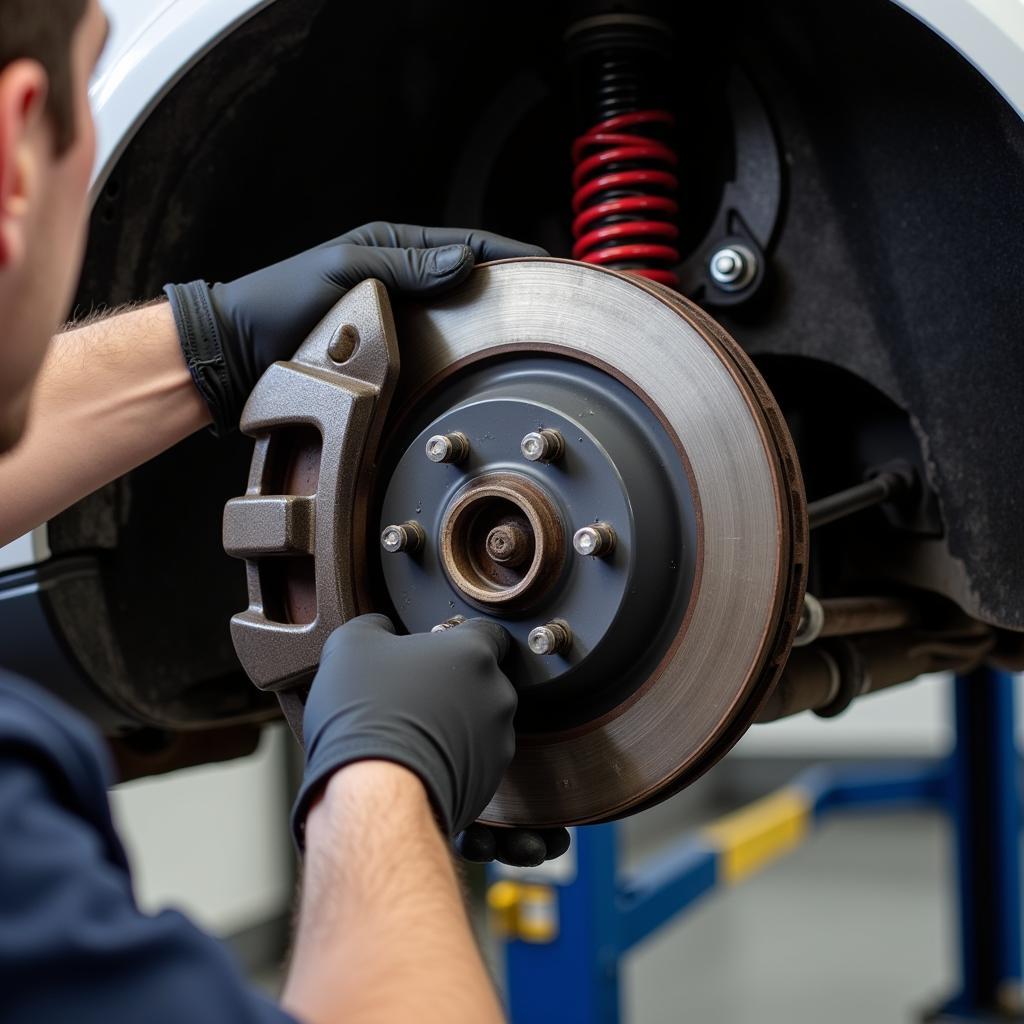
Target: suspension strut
[(624, 180)]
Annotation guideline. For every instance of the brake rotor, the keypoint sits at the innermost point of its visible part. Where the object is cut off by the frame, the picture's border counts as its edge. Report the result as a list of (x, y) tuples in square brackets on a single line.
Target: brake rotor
[(638, 660)]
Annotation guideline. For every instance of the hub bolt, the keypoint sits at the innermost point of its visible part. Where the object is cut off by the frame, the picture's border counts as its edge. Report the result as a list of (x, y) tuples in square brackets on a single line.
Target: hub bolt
[(508, 544), (455, 620), (453, 447), (553, 638), (406, 537), (542, 446), (732, 267), (597, 540)]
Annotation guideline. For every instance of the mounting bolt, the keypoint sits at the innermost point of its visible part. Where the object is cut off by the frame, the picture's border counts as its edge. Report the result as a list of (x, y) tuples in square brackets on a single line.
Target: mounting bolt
[(508, 544), (597, 540), (542, 446), (455, 620), (553, 638), (406, 537), (344, 344), (453, 447), (732, 267)]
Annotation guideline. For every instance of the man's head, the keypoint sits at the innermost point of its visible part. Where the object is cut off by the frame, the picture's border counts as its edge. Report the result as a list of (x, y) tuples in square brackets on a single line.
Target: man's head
[(48, 49)]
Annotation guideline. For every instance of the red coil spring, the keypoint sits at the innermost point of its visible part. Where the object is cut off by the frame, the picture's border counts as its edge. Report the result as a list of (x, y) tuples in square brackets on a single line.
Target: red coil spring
[(624, 196)]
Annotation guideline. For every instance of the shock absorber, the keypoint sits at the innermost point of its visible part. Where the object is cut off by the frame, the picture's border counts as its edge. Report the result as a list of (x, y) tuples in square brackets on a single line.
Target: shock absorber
[(624, 179)]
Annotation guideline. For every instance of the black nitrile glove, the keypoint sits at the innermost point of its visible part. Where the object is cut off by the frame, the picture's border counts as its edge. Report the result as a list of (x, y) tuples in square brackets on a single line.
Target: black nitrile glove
[(230, 333), (520, 847), (437, 703)]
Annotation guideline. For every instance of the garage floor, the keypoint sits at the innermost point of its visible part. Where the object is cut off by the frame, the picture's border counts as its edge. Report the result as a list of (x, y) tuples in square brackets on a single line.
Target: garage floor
[(856, 925), (853, 927)]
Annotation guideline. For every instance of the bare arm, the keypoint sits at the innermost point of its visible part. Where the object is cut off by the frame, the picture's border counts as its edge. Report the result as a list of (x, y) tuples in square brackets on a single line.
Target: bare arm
[(117, 392), (111, 395), (382, 933)]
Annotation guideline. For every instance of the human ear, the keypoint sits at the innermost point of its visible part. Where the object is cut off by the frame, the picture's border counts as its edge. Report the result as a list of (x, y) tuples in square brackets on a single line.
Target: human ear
[(23, 90)]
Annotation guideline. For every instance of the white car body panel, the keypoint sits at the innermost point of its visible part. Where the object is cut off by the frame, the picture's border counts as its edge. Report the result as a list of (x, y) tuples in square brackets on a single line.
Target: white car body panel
[(151, 47), (989, 33), (154, 43)]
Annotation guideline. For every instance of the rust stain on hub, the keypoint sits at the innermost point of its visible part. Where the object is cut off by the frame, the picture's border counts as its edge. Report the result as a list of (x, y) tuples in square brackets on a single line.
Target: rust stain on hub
[(502, 542)]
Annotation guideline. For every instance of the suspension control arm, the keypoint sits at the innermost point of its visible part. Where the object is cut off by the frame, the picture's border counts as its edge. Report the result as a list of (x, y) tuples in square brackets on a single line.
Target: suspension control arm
[(829, 675)]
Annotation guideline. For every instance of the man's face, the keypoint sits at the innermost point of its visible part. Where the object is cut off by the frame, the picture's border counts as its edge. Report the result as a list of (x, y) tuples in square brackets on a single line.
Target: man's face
[(43, 216)]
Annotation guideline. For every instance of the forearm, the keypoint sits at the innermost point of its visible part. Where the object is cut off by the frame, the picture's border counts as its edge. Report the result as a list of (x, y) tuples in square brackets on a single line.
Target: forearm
[(111, 395), (383, 934)]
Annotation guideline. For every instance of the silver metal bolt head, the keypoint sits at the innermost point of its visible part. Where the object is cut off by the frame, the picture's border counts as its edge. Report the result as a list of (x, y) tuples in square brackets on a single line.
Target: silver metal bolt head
[(542, 640), (392, 539), (455, 620), (453, 447), (596, 540), (552, 638), (732, 267), (406, 537), (727, 265), (542, 445)]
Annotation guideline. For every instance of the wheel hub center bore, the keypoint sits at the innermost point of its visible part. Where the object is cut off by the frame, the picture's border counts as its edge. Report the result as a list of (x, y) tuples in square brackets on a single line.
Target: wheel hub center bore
[(501, 540), (550, 499)]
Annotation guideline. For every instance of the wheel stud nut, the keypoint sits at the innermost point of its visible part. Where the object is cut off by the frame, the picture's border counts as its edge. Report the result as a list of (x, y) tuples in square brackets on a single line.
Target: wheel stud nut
[(453, 447), (542, 446), (597, 540), (553, 638), (406, 537), (508, 544), (455, 620)]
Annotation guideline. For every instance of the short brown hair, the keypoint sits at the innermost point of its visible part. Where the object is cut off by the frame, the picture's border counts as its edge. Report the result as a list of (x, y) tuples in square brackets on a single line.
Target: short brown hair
[(41, 30)]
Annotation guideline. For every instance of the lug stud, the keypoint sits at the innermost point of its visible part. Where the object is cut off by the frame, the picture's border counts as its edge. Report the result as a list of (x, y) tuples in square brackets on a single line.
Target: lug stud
[(542, 446), (597, 540), (453, 447), (554, 637), (406, 537), (455, 620)]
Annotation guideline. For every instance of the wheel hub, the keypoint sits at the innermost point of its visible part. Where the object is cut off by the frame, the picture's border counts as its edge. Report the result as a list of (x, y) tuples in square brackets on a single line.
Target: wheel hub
[(616, 469)]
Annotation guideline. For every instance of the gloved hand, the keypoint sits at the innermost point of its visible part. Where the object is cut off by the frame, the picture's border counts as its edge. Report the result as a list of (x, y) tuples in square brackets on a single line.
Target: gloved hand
[(230, 333), (520, 847), (437, 703)]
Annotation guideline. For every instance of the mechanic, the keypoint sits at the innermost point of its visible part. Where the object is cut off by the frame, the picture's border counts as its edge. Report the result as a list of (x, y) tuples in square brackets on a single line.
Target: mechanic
[(406, 737)]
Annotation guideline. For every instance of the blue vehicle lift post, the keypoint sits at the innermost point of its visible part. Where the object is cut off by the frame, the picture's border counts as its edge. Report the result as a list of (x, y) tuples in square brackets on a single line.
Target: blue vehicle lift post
[(562, 956), (985, 807)]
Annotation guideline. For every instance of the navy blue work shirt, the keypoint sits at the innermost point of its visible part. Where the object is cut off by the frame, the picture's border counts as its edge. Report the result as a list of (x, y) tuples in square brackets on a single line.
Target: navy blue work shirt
[(73, 944)]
